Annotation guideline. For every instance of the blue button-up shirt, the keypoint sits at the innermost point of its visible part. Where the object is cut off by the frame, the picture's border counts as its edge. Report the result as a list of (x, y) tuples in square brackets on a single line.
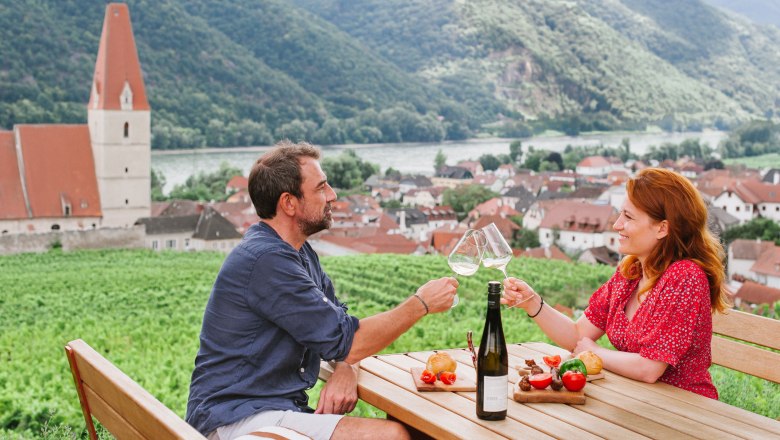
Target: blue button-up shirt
[(272, 316)]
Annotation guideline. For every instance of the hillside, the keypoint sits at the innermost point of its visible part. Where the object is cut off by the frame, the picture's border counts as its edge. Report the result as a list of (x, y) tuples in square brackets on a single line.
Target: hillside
[(247, 72), (680, 64), (759, 11)]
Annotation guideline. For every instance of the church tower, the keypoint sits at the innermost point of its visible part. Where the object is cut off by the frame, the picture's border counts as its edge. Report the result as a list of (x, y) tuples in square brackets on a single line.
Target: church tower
[(119, 121)]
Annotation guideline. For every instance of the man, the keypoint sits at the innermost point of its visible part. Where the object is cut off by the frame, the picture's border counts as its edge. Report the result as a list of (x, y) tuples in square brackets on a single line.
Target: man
[(273, 315)]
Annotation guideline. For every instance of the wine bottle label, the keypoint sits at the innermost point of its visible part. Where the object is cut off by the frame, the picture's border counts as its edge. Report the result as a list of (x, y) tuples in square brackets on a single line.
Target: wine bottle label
[(495, 393)]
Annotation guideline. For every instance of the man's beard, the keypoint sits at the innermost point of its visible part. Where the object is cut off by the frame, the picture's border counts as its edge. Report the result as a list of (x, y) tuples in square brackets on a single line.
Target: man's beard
[(310, 227)]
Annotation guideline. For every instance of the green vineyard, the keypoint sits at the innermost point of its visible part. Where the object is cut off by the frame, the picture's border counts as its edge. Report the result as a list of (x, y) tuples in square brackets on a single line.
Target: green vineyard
[(142, 310)]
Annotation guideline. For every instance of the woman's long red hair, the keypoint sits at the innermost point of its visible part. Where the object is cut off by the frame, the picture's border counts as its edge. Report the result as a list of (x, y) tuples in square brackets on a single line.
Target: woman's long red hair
[(666, 195)]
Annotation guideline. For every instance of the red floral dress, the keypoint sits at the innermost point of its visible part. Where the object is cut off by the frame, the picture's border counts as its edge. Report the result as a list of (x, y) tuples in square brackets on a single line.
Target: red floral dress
[(673, 324)]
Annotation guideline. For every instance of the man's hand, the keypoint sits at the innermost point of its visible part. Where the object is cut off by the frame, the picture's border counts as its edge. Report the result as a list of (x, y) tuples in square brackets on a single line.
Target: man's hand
[(339, 395), (439, 294)]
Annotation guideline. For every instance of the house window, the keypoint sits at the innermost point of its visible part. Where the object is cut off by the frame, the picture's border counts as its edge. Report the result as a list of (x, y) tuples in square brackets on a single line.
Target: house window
[(186, 242), (777, 208), (155, 245), (573, 239), (127, 130), (67, 210), (737, 208), (546, 235), (5, 231), (170, 244), (747, 208), (126, 170), (763, 207), (55, 227), (127, 202)]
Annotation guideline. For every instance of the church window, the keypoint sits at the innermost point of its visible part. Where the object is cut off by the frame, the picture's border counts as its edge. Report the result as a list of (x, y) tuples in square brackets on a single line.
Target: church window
[(127, 129)]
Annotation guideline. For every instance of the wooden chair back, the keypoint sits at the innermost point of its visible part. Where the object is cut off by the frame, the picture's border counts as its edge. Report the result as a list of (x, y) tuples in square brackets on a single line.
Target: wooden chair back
[(121, 405), (757, 359)]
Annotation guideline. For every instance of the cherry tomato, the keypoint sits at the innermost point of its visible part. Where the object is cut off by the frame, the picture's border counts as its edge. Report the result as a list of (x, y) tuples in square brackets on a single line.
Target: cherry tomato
[(552, 361), (447, 377), (428, 377), (540, 381), (574, 380)]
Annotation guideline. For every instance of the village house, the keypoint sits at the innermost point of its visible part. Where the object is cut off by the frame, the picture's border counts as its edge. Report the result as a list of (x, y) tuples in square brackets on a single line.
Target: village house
[(193, 232), (546, 252), (85, 176), (743, 254), (747, 199), (752, 297), (493, 207), (452, 177), (427, 197), (576, 226), (518, 197), (594, 166)]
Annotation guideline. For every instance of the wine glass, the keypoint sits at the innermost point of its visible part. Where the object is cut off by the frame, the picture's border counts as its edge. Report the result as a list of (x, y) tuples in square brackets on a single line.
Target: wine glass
[(466, 255), (497, 251)]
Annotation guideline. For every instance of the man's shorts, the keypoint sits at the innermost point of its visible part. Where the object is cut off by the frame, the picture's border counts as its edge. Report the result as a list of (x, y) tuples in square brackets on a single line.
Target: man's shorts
[(316, 426)]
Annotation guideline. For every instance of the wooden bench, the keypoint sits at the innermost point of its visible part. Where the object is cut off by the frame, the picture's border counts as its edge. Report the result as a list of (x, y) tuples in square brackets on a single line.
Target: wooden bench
[(122, 406), (756, 360)]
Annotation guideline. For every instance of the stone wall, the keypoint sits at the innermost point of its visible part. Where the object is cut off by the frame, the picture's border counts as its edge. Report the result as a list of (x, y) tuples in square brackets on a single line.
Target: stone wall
[(124, 238)]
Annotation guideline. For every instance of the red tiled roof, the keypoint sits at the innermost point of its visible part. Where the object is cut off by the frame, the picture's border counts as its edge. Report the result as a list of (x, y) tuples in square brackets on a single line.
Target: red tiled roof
[(117, 63), (768, 262), (238, 183), (59, 168), (757, 293), (743, 249), (593, 162), (574, 216), (550, 253), (12, 204), (755, 191), (505, 226)]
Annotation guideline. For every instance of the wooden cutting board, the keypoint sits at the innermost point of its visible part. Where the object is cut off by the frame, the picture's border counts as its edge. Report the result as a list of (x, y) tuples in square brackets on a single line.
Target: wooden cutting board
[(524, 371), (550, 396), (460, 384)]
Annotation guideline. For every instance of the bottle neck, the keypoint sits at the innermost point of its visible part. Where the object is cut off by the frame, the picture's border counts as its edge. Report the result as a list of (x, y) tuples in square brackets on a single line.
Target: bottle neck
[(494, 301)]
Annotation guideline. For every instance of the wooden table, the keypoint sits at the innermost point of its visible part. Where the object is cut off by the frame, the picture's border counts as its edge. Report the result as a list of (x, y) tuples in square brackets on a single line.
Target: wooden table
[(616, 407)]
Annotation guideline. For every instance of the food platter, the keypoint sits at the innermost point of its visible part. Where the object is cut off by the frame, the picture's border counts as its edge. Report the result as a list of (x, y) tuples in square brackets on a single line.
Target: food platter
[(461, 384)]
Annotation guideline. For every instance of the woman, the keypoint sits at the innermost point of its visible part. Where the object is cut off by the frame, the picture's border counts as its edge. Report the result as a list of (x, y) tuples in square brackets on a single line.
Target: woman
[(657, 308)]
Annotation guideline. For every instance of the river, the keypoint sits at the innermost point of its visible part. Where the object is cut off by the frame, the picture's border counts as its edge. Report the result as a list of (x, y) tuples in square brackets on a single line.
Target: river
[(416, 158)]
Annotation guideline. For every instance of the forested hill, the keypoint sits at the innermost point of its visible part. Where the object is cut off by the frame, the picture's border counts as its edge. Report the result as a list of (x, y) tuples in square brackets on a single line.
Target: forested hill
[(247, 72)]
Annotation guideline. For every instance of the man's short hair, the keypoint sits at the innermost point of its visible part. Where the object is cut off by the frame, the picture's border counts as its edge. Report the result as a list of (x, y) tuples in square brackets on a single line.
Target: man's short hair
[(278, 172)]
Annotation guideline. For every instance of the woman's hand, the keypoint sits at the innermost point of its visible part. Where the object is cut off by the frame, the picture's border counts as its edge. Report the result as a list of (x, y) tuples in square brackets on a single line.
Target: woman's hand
[(517, 293), (585, 344)]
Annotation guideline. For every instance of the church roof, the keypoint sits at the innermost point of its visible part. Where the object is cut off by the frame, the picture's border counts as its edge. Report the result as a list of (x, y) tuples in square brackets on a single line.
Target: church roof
[(117, 63), (59, 170), (11, 195)]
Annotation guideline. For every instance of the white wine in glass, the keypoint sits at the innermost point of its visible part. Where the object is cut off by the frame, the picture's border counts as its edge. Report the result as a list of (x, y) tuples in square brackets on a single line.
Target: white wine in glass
[(466, 255), (497, 251)]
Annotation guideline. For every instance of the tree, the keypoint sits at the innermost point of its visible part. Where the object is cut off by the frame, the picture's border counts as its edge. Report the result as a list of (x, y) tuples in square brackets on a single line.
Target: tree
[(348, 171), (465, 197), (489, 162), (440, 161), (158, 183), (206, 186), (526, 239), (516, 151), (763, 228)]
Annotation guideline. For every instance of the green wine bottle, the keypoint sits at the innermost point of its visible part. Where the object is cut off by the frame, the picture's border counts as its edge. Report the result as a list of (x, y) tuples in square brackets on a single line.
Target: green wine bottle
[(492, 361)]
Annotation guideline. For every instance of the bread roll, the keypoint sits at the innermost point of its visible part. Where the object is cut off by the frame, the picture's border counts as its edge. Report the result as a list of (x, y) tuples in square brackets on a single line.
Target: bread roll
[(439, 362), (592, 361)]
